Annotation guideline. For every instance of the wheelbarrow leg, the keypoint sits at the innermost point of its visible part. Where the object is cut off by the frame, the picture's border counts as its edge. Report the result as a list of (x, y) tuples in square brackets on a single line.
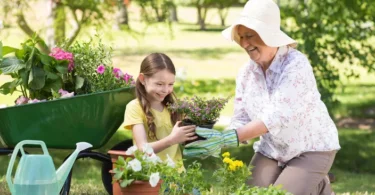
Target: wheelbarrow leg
[(104, 158)]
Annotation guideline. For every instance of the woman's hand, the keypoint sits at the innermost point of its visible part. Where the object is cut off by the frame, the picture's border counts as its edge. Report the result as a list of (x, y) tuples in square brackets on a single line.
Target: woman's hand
[(182, 134), (215, 140)]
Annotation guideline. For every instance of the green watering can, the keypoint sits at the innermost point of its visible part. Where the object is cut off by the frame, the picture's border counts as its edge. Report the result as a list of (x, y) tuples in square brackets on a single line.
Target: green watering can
[(36, 174)]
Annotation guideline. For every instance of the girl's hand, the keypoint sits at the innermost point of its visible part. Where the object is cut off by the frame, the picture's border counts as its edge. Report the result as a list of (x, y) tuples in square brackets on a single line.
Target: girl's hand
[(182, 134)]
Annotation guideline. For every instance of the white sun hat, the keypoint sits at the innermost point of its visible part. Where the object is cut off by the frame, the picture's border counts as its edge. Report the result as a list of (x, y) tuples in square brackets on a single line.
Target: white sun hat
[(262, 16)]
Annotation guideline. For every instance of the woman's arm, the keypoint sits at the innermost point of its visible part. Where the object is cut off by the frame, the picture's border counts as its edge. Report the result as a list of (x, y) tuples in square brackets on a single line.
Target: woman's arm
[(251, 130), (240, 117)]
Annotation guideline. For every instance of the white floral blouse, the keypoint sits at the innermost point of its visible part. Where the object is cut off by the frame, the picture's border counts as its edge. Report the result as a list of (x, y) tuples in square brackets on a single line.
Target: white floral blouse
[(288, 102)]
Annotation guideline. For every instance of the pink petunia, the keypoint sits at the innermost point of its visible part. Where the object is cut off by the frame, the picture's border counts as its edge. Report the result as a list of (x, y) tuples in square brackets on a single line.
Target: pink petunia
[(127, 77), (100, 69), (118, 73)]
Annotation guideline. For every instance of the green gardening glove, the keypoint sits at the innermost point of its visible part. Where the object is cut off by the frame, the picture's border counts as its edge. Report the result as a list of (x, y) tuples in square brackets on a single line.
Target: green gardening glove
[(215, 140)]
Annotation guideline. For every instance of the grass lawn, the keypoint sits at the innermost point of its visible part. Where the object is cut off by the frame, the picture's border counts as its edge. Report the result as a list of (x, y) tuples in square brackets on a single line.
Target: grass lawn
[(350, 180)]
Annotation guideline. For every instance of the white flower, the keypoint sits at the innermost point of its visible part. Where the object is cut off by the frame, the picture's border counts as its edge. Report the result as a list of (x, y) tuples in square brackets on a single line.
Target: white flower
[(148, 149), (153, 158), (170, 162), (131, 150), (154, 179), (135, 164)]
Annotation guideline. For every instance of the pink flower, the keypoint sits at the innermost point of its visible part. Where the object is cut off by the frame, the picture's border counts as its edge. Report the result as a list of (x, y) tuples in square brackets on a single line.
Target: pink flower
[(22, 100), (100, 69), (65, 94), (62, 92), (127, 77), (60, 54), (118, 73)]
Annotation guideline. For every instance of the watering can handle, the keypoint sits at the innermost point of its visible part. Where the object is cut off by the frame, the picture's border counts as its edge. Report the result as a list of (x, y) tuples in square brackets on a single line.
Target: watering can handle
[(18, 147)]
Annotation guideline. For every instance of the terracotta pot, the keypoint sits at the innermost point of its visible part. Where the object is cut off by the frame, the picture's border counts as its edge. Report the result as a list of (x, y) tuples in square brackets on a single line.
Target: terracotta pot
[(141, 188), (114, 156)]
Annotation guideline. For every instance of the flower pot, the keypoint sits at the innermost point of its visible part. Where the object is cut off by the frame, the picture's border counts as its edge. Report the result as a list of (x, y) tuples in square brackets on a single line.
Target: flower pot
[(141, 188), (114, 156), (186, 122)]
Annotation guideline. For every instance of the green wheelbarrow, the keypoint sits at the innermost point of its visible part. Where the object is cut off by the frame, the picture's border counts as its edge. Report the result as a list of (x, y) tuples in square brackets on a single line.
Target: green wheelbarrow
[(61, 123)]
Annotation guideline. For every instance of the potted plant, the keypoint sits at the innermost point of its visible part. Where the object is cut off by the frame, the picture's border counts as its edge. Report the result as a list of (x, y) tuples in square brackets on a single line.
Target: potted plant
[(139, 172), (198, 111)]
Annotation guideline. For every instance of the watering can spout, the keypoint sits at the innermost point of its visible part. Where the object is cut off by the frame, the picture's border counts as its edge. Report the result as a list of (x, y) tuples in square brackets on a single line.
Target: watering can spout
[(64, 170)]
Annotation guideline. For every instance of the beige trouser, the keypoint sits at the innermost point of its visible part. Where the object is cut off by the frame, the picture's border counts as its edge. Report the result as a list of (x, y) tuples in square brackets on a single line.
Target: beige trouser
[(302, 175)]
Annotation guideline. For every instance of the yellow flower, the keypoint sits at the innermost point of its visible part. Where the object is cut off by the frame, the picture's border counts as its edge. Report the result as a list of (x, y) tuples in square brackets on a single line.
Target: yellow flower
[(227, 160), (226, 154), (232, 167), (238, 163)]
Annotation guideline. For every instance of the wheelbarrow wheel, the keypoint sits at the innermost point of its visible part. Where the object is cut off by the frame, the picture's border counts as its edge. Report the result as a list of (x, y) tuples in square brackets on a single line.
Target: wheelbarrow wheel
[(106, 166)]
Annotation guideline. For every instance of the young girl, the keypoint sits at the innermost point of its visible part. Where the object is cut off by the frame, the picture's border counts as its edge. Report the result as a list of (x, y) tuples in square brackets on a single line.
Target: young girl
[(148, 117)]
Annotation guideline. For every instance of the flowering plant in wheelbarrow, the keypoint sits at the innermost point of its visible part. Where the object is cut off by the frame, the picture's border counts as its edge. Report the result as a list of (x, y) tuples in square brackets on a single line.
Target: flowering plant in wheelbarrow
[(199, 111), (82, 68)]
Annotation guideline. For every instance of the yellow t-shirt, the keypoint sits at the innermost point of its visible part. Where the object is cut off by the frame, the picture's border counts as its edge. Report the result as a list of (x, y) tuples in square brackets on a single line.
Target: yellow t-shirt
[(135, 115)]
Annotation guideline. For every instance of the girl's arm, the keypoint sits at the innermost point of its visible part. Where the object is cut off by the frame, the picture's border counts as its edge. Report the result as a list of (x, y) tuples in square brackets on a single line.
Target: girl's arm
[(178, 135)]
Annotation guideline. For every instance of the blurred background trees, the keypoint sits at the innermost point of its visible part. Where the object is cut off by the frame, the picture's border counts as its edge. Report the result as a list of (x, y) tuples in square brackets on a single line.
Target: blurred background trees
[(328, 32)]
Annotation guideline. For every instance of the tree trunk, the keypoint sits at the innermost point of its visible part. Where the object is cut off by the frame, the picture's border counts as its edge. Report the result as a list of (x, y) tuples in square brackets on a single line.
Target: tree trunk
[(22, 23), (122, 17), (50, 31), (59, 23), (201, 18), (173, 16)]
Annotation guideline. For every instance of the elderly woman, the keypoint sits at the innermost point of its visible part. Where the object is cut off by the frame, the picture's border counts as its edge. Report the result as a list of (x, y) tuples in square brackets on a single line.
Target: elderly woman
[(277, 100)]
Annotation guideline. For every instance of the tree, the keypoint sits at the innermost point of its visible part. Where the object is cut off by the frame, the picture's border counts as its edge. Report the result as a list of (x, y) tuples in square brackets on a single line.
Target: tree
[(223, 8), (83, 12), (334, 29), (202, 8)]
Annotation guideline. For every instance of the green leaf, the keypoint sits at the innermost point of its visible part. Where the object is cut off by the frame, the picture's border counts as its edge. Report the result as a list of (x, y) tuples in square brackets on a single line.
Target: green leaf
[(1, 51), (62, 68), (125, 183), (6, 50), (20, 53), (10, 87), (24, 74), (46, 59), (36, 78), (11, 64), (29, 62), (51, 75), (118, 175), (5, 88), (53, 85), (79, 82)]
